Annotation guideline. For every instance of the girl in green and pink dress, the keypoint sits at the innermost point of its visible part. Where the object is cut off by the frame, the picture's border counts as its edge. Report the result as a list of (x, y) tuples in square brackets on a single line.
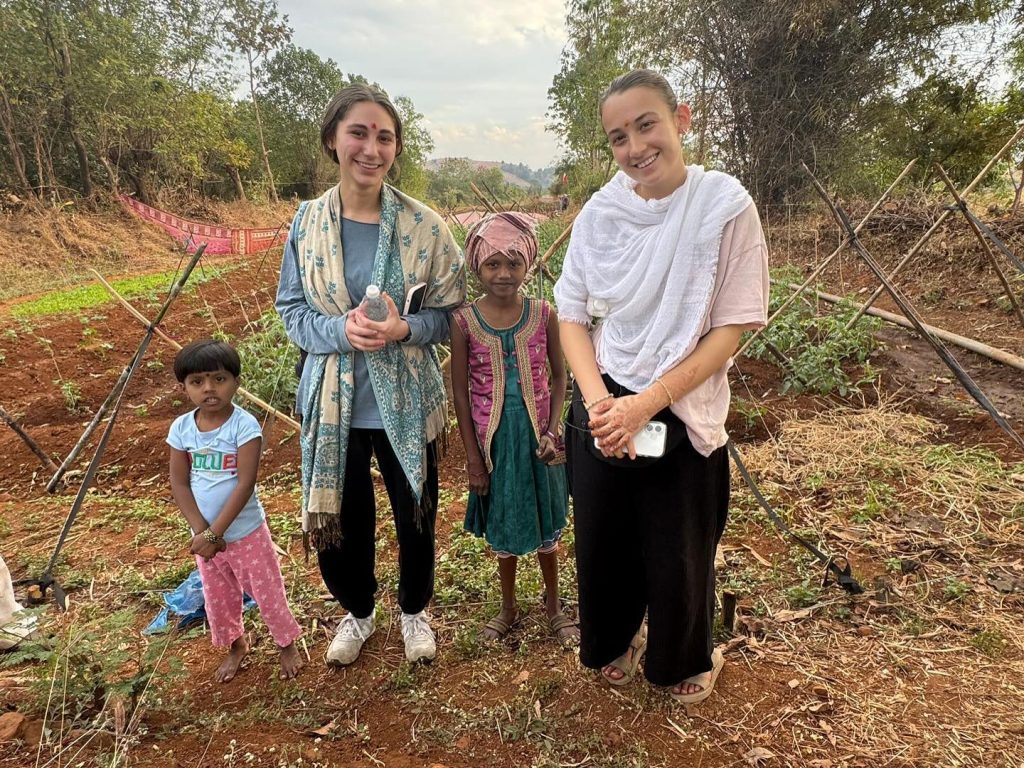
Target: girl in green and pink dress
[(509, 381)]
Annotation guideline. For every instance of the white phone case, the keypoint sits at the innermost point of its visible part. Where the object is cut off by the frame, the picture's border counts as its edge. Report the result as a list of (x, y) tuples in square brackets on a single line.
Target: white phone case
[(650, 440), (414, 299)]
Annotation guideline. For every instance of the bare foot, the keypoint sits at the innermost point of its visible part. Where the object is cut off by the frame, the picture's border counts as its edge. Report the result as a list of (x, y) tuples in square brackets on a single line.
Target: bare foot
[(291, 661), (498, 627), (685, 689), (227, 669)]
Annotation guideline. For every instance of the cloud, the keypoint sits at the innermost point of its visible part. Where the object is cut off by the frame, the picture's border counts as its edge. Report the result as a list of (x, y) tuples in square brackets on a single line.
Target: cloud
[(478, 71)]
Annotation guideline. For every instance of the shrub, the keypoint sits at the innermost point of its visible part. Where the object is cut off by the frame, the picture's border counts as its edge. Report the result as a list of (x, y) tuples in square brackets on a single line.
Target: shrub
[(268, 361), (818, 345)]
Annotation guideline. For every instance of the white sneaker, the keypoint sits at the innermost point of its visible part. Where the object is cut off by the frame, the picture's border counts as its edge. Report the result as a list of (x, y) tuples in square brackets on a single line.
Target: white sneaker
[(348, 642), (419, 637)]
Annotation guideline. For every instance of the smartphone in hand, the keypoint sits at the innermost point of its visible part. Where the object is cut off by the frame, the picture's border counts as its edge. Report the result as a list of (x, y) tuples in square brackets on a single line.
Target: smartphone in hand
[(414, 299)]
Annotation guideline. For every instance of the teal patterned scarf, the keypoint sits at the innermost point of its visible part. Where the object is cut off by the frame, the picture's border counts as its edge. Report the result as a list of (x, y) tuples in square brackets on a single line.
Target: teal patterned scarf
[(414, 246)]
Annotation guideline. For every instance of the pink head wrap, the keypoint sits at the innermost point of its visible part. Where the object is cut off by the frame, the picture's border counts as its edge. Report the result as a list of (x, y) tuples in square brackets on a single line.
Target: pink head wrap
[(500, 233)]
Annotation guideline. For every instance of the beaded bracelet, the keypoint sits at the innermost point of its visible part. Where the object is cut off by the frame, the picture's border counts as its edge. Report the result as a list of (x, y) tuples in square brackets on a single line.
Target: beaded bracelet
[(590, 405), (211, 537), (668, 391)]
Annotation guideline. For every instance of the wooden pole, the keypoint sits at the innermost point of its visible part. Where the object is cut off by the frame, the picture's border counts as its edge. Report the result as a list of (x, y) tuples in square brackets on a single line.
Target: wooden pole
[(480, 196), (87, 433), (981, 237), (992, 353), (241, 392), (494, 197), (32, 444), (938, 222), (541, 263), (828, 260), (911, 314)]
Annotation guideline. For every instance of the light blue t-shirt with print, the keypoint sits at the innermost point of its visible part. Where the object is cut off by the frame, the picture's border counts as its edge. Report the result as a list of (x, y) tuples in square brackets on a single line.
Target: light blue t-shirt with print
[(214, 473)]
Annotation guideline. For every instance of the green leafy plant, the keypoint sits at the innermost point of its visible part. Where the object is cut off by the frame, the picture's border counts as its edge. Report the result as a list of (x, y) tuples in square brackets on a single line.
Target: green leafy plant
[(819, 346), (71, 393), (96, 661), (268, 361)]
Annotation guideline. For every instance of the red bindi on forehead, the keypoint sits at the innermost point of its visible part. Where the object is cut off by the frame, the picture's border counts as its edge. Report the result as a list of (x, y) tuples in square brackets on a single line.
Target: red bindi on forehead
[(374, 126)]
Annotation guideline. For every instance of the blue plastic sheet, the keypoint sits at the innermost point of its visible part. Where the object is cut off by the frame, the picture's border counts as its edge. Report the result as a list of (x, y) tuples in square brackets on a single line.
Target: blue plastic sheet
[(185, 601)]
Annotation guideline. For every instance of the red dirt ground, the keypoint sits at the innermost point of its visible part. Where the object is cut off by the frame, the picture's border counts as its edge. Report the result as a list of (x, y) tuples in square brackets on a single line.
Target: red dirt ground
[(379, 712)]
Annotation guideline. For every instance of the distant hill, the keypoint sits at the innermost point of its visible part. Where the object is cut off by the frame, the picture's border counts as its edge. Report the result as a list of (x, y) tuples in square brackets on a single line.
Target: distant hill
[(513, 174)]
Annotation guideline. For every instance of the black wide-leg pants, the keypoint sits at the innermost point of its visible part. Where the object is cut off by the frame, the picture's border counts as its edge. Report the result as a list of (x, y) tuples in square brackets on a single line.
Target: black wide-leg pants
[(645, 542), (348, 568)]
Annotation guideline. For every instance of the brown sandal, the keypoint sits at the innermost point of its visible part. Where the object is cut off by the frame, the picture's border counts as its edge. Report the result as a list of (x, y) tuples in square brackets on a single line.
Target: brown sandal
[(499, 626), (560, 622), (628, 662)]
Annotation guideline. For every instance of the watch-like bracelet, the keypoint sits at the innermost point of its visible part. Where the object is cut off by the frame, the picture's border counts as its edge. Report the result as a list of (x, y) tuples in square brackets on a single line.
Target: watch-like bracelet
[(212, 537)]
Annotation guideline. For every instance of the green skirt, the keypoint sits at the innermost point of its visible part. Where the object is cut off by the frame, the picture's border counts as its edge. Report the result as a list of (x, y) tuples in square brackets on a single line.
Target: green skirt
[(525, 507)]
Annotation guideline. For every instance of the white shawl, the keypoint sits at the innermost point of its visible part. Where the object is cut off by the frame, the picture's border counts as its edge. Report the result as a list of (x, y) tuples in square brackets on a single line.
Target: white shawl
[(647, 269)]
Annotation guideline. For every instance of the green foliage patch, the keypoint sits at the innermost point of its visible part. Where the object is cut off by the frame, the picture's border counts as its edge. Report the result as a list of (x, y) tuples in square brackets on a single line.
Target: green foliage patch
[(268, 361), (85, 296), (822, 350)]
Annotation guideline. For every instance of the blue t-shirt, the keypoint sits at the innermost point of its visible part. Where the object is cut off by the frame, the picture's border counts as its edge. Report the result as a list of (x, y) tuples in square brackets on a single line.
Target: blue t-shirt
[(359, 244), (214, 459)]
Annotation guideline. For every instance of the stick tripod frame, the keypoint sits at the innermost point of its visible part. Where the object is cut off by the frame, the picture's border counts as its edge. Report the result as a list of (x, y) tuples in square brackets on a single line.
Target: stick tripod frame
[(46, 581)]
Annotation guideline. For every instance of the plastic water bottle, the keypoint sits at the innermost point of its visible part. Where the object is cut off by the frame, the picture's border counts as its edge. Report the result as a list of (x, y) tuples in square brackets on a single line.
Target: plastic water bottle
[(376, 308)]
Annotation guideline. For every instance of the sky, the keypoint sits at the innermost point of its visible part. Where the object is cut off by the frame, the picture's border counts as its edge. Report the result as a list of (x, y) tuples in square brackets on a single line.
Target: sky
[(478, 70)]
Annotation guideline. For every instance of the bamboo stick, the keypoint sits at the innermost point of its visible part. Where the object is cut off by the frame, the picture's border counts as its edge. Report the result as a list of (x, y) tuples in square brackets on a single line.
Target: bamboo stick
[(32, 444), (938, 222), (984, 243), (972, 345), (241, 391), (828, 260), (87, 433), (911, 314), (480, 196)]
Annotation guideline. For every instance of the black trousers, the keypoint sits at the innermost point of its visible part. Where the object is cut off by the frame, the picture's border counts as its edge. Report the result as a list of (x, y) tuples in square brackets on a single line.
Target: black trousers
[(645, 542), (348, 568)]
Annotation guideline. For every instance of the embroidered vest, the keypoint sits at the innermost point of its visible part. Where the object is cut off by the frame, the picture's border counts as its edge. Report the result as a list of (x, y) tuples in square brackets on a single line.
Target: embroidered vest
[(487, 371)]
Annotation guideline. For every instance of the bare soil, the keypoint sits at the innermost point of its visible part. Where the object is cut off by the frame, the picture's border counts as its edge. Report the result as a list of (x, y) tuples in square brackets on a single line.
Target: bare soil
[(916, 671)]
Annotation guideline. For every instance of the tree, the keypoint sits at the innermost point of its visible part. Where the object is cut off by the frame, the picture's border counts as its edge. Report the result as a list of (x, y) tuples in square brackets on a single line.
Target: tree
[(948, 118), (297, 85), (254, 31), (790, 80), (594, 55), (450, 183), (416, 146)]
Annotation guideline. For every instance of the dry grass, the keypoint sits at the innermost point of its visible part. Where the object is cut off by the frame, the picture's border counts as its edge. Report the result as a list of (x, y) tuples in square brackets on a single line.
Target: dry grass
[(925, 668), (47, 248)]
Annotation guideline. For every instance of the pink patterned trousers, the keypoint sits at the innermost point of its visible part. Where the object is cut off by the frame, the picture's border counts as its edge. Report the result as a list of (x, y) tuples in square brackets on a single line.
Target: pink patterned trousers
[(249, 565)]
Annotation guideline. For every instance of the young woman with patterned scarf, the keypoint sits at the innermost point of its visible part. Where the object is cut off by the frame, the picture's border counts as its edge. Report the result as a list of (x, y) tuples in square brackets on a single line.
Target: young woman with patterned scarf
[(667, 267), (369, 388)]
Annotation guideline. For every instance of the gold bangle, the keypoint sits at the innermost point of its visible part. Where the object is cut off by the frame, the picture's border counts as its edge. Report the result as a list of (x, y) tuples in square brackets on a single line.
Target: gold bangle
[(211, 537), (588, 406), (668, 391)]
